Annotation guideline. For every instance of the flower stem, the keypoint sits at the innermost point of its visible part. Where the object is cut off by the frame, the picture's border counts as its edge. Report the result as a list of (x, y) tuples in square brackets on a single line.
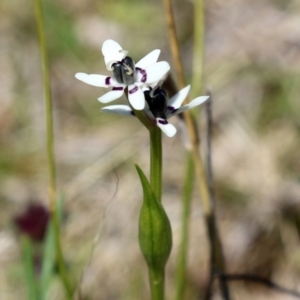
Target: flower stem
[(157, 283), (50, 146), (156, 271), (186, 205), (156, 275), (156, 162), (155, 154)]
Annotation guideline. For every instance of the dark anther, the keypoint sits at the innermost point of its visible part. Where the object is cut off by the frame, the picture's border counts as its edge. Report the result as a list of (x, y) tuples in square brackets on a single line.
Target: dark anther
[(157, 100), (124, 71)]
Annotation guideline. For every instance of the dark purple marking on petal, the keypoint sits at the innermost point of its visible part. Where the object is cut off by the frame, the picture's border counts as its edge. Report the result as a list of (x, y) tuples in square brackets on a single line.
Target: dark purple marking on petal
[(107, 80), (117, 88), (144, 74), (163, 122), (133, 90), (172, 109), (132, 112)]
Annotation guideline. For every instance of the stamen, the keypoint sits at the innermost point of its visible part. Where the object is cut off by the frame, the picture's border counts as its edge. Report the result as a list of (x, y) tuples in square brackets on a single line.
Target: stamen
[(123, 51), (129, 70), (153, 91), (151, 94), (160, 83)]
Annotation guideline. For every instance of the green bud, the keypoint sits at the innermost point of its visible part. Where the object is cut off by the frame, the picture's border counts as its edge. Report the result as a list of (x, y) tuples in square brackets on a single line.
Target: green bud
[(155, 235)]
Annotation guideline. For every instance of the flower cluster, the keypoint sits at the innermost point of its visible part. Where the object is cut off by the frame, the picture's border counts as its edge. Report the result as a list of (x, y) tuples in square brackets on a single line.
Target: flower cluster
[(144, 86)]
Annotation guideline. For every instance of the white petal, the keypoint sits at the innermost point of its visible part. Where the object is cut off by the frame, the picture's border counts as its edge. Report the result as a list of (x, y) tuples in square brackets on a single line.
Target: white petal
[(112, 52), (93, 79), (191, 105), (118, 109), (149, 59), (111, 96), (136, 97), (177, 99), (109, 47), (155, 72), (167, 128)]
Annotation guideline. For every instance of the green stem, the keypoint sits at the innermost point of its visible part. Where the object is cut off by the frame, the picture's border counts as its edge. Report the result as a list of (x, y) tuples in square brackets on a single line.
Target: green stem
[(156, 275), (50, 146), (48, 104), (156, 162), (157, 283), (29, 269), (186, 207), (60, 258)]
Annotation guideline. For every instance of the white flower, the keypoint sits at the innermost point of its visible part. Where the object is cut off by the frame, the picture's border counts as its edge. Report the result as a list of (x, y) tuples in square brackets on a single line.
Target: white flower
[(126, 73), (159, 108)]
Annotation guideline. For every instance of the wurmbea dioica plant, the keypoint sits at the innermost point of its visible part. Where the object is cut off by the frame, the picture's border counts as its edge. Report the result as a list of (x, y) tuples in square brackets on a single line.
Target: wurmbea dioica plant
[(151, 104)]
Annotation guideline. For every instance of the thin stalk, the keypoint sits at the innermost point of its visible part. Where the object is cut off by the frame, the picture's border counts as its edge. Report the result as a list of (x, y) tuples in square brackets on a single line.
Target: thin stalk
[(185, 219), (199, 28), (157, 283), (216, 253), (174, 43), (50, 146), (217, 258), (156, 162), (48, 105), (191, 125)]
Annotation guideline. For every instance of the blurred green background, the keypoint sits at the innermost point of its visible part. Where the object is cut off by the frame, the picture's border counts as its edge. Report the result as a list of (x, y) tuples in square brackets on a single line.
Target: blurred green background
[(252, 67)]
